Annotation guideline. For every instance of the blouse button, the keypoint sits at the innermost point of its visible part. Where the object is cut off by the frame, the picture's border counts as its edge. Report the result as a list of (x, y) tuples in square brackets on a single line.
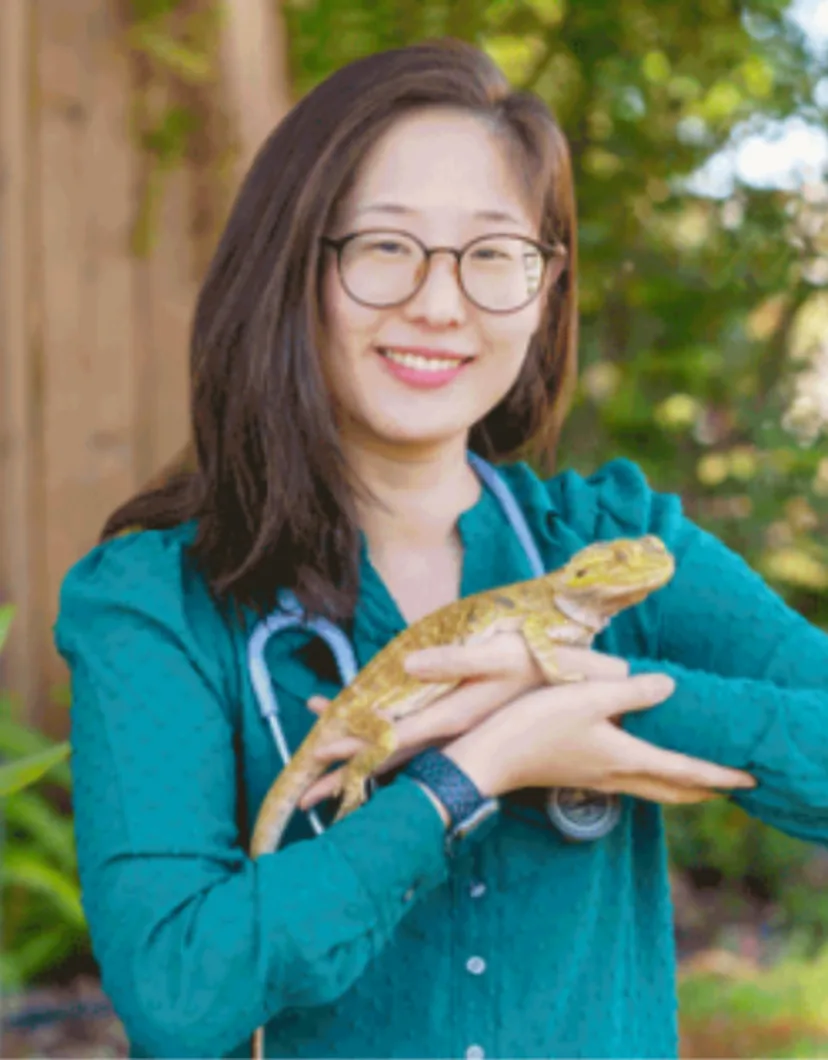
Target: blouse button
[(477, 889), (476, 965), (475, 1052)]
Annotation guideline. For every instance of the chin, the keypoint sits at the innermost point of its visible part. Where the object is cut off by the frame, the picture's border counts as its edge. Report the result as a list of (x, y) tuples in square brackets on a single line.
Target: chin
[(416, 435)]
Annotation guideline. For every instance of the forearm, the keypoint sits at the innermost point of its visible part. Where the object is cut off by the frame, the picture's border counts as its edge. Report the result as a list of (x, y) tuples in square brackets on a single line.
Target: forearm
[(196, 952), (779, 735)]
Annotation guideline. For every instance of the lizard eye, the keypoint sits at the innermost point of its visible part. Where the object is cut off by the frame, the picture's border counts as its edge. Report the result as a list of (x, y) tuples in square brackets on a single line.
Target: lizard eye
[(582, 573)]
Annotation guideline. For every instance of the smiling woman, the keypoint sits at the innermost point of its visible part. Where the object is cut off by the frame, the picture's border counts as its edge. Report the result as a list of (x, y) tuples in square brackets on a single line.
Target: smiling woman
[(390, 308), (405, 301)]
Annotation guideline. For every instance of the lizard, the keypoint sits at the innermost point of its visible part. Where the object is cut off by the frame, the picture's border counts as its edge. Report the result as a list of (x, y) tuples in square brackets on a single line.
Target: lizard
[(567, 606)]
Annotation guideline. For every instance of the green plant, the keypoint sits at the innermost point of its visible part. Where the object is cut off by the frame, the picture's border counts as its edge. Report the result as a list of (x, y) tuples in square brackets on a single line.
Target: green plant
[(42, 917), (718, 843), (728, 1008), (20, 773)]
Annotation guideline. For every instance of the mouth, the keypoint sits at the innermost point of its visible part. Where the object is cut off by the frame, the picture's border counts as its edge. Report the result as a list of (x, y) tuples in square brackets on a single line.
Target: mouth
[(424, 368)]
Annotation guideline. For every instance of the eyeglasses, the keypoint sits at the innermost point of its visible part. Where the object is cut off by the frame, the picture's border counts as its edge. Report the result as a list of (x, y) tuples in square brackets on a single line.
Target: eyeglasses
[(384, 267)]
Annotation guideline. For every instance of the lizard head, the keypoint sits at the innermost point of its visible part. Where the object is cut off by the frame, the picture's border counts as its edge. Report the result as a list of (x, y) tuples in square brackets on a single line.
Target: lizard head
[(609, 576)]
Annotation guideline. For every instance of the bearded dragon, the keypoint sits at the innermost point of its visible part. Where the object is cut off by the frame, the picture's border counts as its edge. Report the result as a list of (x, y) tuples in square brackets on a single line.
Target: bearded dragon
[(567, 606)]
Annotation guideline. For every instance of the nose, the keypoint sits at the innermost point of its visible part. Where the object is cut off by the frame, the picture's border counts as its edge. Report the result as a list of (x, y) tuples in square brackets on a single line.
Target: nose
[(440, 301)]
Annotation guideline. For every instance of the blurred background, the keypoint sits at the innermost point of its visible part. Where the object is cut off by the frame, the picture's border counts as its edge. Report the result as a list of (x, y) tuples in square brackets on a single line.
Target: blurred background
[(699, 135)]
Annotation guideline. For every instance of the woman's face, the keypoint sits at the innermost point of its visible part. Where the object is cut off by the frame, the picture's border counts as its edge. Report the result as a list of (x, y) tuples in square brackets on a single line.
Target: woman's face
[(416, 377)]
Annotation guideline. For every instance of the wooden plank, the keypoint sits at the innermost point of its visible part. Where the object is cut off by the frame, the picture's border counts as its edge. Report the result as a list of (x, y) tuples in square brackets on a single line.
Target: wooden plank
[(17, 442), (89, 399), (256, 70), (173, 288)]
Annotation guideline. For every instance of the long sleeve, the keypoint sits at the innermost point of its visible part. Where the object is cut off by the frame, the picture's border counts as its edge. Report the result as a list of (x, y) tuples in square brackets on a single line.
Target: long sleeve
[(751, 673), (751, 683), (197, 943)]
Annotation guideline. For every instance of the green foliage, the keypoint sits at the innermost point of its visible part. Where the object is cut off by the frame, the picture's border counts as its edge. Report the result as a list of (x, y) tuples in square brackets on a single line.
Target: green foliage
[(15, 776), (176, 48), (719, 840), (42, 918), (739, 1011)]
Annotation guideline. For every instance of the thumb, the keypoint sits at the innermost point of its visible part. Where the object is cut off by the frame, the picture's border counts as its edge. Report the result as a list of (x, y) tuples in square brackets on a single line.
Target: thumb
[(317, 704)]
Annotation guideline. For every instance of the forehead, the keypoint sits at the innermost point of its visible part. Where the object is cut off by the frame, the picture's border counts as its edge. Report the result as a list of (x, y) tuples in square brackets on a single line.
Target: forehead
[(441, 162)]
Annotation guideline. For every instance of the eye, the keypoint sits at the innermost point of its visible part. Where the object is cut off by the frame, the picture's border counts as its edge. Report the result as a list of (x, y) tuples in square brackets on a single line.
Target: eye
[(489, 253), (389, 247), (582, 573)]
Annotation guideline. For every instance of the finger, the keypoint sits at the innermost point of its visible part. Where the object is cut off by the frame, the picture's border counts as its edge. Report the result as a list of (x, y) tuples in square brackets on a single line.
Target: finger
[(336, 750), (457, 711), (676, 768), (317, 704), (646, 787), (323, 789), (633, 693), (496, 656), (595, 665)]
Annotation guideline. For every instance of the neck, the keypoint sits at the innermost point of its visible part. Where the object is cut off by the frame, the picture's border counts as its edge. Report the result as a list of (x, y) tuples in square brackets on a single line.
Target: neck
[(410, 497)]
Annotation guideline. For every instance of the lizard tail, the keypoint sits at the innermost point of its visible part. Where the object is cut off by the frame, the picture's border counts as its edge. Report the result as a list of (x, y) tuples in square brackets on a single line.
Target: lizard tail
[(283, 797), (276, 810)]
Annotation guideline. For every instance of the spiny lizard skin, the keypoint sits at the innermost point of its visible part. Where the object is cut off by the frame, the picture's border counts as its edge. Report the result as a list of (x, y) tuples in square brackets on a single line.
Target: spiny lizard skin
[(566, 606)]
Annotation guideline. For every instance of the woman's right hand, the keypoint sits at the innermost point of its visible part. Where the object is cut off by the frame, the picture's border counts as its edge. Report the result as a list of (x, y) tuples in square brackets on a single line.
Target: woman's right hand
[(565, 737)]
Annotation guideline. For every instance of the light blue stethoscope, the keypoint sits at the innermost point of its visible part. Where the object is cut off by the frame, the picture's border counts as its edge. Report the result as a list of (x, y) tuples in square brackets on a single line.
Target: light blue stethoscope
[(577, 814)]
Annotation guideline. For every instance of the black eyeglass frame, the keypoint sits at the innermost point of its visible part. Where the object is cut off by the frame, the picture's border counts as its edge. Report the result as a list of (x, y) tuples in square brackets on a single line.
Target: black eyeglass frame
[(547, 251)]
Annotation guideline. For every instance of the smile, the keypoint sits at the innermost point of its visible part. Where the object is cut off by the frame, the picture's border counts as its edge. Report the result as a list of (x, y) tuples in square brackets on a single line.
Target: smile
[(423, 362), (425, 370)]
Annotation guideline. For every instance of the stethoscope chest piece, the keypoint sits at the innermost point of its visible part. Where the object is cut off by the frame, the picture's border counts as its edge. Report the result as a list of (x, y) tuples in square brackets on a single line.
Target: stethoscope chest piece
[(582, 815)]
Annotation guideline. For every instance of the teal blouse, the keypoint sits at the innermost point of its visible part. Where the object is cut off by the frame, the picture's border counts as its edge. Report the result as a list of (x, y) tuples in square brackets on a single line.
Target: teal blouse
[(365, 941)]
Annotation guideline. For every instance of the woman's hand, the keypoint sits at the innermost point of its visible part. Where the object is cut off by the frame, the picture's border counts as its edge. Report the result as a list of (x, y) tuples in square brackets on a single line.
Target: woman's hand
[(564, 736), (493, 673)]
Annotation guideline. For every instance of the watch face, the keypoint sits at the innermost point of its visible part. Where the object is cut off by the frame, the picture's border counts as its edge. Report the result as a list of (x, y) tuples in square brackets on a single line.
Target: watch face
[(582, 814)]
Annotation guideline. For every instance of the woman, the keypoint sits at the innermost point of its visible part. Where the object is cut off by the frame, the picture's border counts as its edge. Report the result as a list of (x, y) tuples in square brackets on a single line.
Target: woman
[(395, 287)]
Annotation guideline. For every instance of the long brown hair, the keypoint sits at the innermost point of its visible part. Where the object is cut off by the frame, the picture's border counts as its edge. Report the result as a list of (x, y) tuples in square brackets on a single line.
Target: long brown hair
[(264, 475)]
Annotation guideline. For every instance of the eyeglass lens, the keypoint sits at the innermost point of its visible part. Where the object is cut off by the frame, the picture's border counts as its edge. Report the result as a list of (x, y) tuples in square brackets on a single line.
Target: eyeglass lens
[(498, 273)]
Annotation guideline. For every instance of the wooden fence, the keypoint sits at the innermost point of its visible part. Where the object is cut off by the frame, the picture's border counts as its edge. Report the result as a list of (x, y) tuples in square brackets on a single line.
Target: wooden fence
[(93, 335)]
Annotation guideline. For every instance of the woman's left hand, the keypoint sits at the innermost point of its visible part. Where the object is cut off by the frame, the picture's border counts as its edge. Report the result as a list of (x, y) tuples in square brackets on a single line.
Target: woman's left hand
[(492, 673)]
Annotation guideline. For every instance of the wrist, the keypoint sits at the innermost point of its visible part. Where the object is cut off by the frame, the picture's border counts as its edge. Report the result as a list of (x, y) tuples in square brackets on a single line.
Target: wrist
[(476, 766)]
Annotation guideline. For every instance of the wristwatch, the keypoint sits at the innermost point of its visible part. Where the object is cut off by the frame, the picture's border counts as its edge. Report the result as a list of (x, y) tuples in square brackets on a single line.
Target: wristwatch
[(472, 815)]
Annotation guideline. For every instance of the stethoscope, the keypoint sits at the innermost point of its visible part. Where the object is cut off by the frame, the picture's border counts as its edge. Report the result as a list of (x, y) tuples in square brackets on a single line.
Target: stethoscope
[(577, 814)]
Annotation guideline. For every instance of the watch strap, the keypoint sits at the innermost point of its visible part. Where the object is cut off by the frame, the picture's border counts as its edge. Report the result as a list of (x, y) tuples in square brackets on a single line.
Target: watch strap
[(467, 808)]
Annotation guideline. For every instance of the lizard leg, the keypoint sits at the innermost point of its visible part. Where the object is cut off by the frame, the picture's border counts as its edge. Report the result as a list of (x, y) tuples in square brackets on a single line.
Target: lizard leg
[(382, 742), (542, 647)]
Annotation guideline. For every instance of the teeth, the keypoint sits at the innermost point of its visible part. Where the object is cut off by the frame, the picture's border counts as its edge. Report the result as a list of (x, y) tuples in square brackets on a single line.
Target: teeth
[(422, 364)]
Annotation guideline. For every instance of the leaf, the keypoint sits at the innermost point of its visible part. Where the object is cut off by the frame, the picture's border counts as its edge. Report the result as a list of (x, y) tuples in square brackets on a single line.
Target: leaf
[(14, 776), (41, 826), (36, 954), (18, 740), (192, 67), (25, 870)]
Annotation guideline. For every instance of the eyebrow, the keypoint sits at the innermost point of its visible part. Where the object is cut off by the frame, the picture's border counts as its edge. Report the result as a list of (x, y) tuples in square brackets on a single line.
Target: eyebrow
[(399, 209)]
